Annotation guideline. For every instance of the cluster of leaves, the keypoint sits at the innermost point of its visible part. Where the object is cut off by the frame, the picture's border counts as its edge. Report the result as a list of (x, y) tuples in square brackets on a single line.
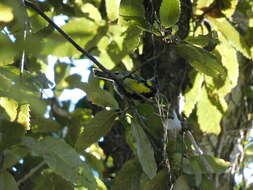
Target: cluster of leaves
[(43, 151)]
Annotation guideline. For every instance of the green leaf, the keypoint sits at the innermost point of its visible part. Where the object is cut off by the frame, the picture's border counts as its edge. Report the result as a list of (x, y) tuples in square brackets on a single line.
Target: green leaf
[(219, 165), (207, 184), (7, 49), (181, 184), (63, 159), (99, 96), (145, 150), (201, 60), (209, 116), (196, 165), (132, 39), (24, 116), (159, 182), (151, 120), (93, 12), (227, 7), (10, 107), (129, 176), (204, 3), (21, 113), (230, 62), (193, 95), (11, 134), (200, 40), (6, 14), (98, 126), (81, 30), (112, 9), (131, 8), (7, 181), (38, 23), (231, 35), (94, 162), (43, 125), (13, 155), (52, 181), (169, 12), (132, 12), (25, 92)]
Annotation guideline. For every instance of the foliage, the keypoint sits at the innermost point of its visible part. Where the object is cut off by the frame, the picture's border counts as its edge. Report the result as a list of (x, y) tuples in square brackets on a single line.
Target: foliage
[(201, 52)]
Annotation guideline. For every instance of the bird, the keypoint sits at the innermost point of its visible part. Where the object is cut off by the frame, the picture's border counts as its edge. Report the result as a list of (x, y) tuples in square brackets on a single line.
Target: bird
[(129, 84)]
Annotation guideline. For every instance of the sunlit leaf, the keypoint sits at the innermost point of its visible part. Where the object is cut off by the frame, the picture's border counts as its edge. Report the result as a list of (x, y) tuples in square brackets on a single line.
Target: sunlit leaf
[(92, 11), (192, 96), (132, 39), (131, 8), (99, 96), (112, 9), (201, 60), (202, 4), (80, 29), (132, 12), (145, 150), (20, 113), (231, 35), (6, 14), (37, 22), (24, 116), (169, 12), (100, 184), (10, 106), (63, 159), (7, 181), (230, 62), (227, 6), (209, 116), (98, 126)]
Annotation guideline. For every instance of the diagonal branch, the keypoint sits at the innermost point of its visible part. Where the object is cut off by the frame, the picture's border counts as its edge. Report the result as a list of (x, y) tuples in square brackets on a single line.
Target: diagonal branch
[(78, 47), (67, 37)]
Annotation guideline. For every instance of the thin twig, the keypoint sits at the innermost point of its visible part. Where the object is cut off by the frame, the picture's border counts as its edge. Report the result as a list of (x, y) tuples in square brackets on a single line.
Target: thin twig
[(31, 172), (199, 151), (67, 37)]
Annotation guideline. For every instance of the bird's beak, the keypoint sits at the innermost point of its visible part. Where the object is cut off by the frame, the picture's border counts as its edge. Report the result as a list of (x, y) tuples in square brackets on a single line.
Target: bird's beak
[(101, 74)]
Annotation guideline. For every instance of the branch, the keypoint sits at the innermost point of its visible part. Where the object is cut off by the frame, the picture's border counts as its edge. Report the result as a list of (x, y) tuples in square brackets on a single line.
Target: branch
[(31, 172), (67, 37), (79, 48)]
